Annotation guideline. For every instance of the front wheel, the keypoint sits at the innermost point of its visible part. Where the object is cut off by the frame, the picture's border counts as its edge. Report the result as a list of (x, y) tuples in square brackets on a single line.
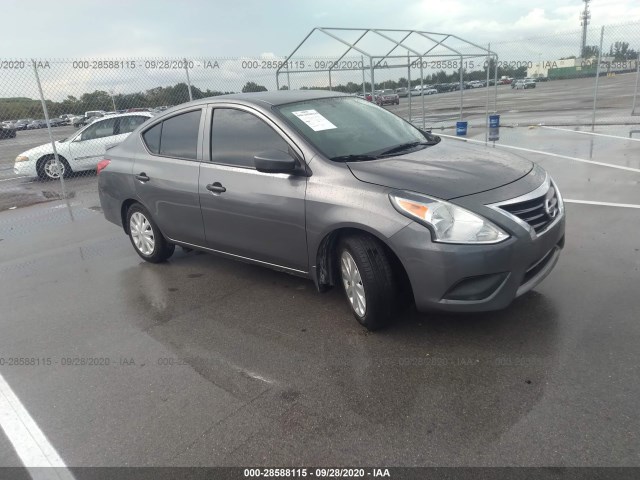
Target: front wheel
[(50, 169), (368, 280), (145, 236)]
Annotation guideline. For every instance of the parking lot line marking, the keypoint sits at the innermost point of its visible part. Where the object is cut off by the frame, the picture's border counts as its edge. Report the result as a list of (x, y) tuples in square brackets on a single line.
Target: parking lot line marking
[(557, 155), (605, 204), (13, 178), (591, 133), (29, 442)]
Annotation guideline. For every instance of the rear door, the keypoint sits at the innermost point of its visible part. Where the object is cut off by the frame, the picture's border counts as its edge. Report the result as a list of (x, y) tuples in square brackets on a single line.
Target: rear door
[(258, 215), (166, 176), (89, 146)]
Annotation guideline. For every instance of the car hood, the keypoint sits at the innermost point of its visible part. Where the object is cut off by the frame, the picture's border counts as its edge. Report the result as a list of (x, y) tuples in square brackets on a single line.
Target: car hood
[(44, 150), (447, 170)]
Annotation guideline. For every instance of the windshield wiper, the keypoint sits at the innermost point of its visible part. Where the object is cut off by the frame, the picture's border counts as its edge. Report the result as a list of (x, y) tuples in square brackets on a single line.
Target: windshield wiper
[(405, 146), (354, 158)]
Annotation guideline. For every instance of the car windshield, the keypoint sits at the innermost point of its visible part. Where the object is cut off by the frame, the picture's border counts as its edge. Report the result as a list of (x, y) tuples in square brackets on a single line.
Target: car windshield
[(387, 92), (350, 129)]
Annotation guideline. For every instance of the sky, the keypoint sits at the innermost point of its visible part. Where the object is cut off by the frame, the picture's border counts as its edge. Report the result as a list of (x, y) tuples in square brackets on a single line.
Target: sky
[(213, 28), (66, 31)]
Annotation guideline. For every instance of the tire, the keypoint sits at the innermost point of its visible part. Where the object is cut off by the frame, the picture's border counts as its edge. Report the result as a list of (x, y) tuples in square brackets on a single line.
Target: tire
[(377, 284), (146, 237), (46, 171)]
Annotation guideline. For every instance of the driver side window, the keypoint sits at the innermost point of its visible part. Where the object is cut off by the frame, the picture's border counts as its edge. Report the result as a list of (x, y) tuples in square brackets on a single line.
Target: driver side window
[(99, 129)]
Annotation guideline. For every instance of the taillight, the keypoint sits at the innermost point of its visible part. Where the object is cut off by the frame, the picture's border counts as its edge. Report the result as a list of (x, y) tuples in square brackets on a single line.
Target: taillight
[(102, 164)]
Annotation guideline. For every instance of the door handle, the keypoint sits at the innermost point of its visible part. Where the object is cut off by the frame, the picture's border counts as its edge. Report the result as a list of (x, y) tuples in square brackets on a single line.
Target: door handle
[(142, 177), (216, 188)]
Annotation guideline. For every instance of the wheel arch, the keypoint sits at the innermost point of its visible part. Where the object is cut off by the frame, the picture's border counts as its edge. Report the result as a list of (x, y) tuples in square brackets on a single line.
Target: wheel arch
[(124, 208), (327, 268)]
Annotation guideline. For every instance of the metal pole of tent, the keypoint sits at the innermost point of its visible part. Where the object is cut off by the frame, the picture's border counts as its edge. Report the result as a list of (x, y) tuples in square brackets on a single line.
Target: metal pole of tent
[(186, 69), (595, 90), (372, 80), (635, 93), (495, 98), (461, 86), (422, 91), (409, 80), (364, 91), (486, 113)]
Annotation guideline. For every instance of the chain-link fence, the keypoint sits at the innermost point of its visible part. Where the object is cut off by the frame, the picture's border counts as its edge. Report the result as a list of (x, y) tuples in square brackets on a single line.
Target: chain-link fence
[(551, 81)]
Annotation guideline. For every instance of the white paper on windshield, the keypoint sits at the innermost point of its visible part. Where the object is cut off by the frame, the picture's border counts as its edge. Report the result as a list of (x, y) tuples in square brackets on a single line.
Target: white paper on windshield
[(314, 120)]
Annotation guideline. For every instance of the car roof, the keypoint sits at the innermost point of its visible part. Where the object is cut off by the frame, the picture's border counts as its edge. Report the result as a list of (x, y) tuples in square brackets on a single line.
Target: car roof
[(274, 98), (128, 114)]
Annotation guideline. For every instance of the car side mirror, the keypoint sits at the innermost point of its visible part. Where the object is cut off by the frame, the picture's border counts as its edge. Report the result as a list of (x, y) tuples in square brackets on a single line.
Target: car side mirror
[(275, 161)]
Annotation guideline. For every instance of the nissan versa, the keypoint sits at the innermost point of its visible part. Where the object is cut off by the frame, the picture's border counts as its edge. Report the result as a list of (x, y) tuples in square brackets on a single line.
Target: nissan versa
[(339, 190)]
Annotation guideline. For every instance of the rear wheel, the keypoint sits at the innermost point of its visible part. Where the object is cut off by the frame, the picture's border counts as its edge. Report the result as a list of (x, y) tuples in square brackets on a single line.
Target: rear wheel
[(367, 280), (145, 236)]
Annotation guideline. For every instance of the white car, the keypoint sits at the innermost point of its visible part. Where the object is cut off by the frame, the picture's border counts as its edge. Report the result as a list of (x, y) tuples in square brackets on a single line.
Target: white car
[(82, 150)]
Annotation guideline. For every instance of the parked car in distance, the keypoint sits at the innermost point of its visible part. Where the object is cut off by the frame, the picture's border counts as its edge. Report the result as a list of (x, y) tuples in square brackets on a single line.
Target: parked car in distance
[(7, 131), (82, 150), (524, 84), (365, 201), (387, 97), (430, 91), (22, 123), (402, 92), (37, 124), (476, 84), (94, 113), (541, 79), (57, 122), (421, 89), (78, 120)]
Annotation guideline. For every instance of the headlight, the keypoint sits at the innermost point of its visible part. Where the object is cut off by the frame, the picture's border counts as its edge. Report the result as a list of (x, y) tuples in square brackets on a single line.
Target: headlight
[(22, 158), (448, 223)]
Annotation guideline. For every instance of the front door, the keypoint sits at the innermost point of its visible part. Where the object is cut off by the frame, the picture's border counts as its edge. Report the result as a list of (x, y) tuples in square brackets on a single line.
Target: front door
[(251, 214)]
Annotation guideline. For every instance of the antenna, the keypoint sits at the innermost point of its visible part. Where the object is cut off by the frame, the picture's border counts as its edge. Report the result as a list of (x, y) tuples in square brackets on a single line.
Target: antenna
[(585, 16)]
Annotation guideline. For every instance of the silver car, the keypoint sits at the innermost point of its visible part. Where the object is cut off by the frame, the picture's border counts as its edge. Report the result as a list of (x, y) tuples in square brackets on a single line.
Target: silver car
[(339, 190)]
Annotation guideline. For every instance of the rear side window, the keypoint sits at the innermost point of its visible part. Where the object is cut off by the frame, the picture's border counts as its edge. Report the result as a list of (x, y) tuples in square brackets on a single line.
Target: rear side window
[(175, 137), (152, 138), (129, 124), (180, 135), (237, 136)]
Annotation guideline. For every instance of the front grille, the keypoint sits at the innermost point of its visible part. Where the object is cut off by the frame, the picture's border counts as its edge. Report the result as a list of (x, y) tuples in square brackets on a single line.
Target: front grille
[(538, 212)]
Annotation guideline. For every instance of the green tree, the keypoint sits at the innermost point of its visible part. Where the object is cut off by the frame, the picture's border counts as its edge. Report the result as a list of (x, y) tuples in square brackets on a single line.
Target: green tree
[(590, 51), (253, 87), (620, 51)]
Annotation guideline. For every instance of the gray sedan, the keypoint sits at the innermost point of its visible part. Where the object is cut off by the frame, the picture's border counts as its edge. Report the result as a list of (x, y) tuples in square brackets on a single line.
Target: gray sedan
[(341, 191)]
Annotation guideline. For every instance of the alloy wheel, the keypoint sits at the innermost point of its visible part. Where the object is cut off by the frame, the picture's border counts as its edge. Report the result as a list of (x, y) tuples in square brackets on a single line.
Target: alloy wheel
[(353, 284), (142, 233), (53, 169)]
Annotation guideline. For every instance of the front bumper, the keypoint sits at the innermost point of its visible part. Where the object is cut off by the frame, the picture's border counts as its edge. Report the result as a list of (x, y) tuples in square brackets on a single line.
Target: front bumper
[(475, 278), (27, 169)]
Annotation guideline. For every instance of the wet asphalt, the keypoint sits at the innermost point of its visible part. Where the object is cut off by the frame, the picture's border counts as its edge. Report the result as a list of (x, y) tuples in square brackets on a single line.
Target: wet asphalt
[(204, 361)]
